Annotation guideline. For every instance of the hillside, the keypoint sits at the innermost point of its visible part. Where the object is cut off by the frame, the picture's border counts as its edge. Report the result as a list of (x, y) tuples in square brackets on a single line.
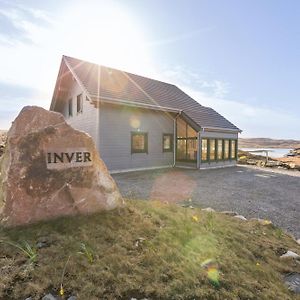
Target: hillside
[(268, 143), (149, 250)]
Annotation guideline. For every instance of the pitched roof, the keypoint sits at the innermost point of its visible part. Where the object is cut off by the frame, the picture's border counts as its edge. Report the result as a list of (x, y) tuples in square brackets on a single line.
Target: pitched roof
[(123, 86)]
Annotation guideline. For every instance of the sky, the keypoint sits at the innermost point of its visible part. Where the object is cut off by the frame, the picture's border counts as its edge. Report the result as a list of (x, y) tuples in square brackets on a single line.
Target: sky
[(241, 58)]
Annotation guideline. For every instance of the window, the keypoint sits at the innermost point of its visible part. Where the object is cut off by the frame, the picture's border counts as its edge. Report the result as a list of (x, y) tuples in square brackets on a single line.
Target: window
[(220, 150), (70, 107), (233, 149), (212, 149), (167, 142), (204, 150), (226, 149), (187, 145), (79, 104), (139, 142)]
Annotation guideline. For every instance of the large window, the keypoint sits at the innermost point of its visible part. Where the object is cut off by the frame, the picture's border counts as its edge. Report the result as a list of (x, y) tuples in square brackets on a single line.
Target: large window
[(204, 149), (70, 107), (139, 142), (212, 149), (167, 142), (187, 145), (226, 149), (79, 104), (220, 149), (233, 149)]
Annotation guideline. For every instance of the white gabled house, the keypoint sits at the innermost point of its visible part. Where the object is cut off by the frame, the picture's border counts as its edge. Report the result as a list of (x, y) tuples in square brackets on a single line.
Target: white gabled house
[(141, 123)]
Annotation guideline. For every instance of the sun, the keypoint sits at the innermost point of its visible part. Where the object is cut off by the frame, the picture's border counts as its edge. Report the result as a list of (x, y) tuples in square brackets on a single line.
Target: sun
[(105, 33)]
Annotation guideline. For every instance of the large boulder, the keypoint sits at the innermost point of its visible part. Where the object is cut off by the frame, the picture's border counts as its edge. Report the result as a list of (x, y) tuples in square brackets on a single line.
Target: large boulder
[(50, 169)]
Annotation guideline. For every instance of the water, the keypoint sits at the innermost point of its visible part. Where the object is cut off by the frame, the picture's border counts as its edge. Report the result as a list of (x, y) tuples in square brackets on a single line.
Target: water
[(274, 152)]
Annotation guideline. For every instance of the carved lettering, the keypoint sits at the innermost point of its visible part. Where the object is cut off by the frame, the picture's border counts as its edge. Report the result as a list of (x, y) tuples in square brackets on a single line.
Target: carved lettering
[(87, 156)]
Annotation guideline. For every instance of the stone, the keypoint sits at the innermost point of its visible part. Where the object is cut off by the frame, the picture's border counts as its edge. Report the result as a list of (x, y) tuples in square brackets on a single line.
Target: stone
[(240, 217), (208, 209), (72, 298), (293, 282), (229, 213), (298, 241), (50, 169), (49, 297), (290, 254)]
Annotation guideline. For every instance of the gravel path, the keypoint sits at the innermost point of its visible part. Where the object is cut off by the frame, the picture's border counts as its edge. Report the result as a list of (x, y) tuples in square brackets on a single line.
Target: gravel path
[(248, 191)]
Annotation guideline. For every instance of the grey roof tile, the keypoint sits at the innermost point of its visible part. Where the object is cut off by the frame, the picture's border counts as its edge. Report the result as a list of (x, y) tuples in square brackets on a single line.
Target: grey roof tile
[(105, 82)]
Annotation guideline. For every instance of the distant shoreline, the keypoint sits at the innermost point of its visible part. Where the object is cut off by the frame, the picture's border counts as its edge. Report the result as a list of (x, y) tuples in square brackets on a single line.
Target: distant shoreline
[(265, 143)]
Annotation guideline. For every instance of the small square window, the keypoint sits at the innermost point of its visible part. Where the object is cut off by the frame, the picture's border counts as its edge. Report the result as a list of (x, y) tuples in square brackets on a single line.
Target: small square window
[(79, 104), (167, 142), (70, 107), (139, 142)]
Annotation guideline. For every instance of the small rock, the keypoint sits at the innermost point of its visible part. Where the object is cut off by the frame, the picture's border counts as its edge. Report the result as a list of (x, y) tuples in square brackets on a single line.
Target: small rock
[(298, 241), (29, 298), (72, 298), (229, 213), (49, 297), (208, 209), (240, 217), (290, 254), (293, 282)]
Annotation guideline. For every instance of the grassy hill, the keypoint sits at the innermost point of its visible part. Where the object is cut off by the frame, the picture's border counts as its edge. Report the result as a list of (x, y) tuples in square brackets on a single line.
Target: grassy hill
[(147, 249), (268, 143)]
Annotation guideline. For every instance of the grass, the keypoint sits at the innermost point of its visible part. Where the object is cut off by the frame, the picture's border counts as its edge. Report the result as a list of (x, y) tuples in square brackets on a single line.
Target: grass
[(148, 250)]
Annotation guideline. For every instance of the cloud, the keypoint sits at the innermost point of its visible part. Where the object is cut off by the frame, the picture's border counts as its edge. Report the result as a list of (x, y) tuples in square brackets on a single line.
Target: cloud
[(19, 24), (14, 98), (255, 121)]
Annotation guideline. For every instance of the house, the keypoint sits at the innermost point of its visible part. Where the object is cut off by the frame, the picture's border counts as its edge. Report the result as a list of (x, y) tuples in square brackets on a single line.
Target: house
[(141, 123)]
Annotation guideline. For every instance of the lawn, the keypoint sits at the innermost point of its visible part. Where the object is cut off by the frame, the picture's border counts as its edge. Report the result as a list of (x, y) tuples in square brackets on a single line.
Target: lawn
[(147, 250)]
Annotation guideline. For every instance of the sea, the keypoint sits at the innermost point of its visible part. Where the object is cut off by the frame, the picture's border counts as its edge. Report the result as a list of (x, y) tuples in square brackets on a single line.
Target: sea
[(273, 152)]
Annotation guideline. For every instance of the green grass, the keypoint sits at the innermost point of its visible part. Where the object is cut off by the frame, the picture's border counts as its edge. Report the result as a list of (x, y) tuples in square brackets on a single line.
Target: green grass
[(148, 250)]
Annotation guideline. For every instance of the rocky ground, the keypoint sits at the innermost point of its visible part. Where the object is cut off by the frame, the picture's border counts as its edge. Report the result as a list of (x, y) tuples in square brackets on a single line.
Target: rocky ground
[(288, 163)]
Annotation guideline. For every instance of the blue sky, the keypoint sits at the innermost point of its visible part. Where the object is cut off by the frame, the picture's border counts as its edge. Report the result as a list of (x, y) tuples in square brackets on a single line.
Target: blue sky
[(240, 57)]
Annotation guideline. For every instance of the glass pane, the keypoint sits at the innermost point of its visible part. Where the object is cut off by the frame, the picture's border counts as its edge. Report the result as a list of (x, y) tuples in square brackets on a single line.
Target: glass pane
[(192, 149), (212, 149), (181, 149), (191, 132), (138, 142), (181, 128), (167, 142), (220, 149), (226, 149), (233, 149), (204, 149)]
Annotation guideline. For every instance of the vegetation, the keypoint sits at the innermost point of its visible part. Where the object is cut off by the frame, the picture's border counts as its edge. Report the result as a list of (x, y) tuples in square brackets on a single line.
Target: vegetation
[(148, 250)]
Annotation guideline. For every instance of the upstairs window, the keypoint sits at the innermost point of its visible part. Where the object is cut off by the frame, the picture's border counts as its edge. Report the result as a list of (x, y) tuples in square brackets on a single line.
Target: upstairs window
[(139, 142), (167, 142), (79, 104), (70, 107)]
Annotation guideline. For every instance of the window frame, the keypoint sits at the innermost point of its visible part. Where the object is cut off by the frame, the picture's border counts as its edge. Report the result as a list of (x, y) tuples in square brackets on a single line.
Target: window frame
[(70, 107), (171, 149), (145, 134), (235, 149), (214, 141), (79, 100)]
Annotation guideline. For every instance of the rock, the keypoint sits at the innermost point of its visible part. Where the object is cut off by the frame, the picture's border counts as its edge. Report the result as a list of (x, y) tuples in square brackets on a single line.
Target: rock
[(29, 298), (208, 209), (290, 254), (229, 213), (240, 217), (50, 169), (72, 298), (49, 297), (293, 282), (298, 241)]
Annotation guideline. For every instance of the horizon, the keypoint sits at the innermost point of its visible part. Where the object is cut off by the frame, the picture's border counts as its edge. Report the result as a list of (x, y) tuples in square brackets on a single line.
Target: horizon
[(215, 53)]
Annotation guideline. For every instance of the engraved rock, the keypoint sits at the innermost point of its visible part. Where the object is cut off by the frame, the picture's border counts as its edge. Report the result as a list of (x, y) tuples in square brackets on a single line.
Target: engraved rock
[(50, 169)]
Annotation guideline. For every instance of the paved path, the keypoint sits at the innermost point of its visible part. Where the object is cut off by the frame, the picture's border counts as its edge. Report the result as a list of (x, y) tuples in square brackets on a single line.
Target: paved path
[(250, 192)]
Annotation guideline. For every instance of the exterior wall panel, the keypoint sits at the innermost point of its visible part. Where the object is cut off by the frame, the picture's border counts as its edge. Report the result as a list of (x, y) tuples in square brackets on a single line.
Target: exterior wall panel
[(117, 123)]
